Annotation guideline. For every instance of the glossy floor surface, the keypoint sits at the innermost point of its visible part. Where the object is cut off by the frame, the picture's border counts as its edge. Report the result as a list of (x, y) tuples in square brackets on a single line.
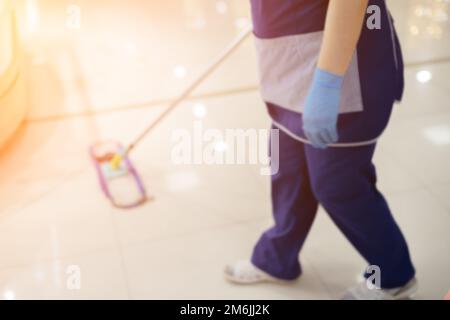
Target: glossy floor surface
[(103, 69)]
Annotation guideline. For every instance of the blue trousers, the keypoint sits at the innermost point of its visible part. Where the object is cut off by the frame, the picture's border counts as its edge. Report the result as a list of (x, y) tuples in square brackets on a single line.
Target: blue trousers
[(343, 181)]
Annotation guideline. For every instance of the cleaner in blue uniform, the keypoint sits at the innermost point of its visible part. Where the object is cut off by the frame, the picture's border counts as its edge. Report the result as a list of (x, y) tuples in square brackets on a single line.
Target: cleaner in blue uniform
[(330, 73)]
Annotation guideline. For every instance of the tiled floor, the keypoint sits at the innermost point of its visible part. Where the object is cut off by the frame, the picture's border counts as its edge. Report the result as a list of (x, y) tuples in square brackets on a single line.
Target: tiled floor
[(53, 216)]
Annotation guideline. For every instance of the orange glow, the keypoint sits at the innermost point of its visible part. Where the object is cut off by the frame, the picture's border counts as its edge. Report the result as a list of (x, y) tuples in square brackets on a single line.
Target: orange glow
[(32, 15)]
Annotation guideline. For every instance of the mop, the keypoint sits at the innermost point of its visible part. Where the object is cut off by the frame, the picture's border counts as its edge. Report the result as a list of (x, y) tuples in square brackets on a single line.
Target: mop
[(111, 158)]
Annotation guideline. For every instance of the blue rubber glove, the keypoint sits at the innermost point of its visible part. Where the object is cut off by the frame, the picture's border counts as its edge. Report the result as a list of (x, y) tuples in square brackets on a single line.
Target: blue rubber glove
[(322, 108)]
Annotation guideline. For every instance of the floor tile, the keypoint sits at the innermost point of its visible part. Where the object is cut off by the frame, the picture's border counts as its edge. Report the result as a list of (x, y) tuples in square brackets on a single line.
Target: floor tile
[(191, 268), (99, 275)]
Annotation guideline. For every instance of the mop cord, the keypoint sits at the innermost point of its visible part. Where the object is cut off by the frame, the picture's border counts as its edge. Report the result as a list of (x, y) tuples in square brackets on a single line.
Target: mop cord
[(185, 94), (334, 145)]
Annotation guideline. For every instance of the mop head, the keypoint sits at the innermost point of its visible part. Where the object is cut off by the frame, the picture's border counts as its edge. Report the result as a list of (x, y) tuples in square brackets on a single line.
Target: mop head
[(118, 177), (112, 164)]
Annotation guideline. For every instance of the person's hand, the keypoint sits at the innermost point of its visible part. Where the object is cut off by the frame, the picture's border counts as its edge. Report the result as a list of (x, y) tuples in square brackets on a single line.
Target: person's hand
[(322, 108)]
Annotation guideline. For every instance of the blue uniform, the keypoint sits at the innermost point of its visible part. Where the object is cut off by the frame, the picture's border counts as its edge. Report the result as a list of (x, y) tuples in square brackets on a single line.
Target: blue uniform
[(288, 37)]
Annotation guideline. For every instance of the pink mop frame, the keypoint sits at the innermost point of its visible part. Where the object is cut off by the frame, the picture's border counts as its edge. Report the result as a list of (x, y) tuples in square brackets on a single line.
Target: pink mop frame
[(130, 169)]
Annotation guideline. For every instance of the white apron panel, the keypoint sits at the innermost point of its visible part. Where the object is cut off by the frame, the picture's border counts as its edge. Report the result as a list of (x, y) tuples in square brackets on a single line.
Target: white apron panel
[(286, 69)]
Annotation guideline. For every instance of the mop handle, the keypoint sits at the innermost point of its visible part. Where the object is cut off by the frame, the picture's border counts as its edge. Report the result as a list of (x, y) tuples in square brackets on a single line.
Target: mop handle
[(185, 94)]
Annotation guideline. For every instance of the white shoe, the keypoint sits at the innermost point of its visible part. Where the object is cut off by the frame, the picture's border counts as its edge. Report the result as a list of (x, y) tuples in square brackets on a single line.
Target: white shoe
[(363, 292), (244, 272)]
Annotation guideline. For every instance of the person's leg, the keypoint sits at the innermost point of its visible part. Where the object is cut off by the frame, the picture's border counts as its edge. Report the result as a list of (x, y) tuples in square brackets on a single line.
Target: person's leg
[(294, 208), (344, 182)]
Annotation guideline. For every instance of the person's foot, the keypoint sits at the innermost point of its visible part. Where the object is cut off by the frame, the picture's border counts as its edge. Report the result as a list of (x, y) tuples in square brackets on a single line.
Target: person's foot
[(363, 292), (244, 272)]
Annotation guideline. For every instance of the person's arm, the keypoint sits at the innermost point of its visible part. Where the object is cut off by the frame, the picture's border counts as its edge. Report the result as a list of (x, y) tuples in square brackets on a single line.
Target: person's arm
[(342, 31)]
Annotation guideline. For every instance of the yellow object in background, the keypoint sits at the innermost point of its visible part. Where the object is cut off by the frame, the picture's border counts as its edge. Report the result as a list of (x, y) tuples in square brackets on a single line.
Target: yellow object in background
[(116, 161)]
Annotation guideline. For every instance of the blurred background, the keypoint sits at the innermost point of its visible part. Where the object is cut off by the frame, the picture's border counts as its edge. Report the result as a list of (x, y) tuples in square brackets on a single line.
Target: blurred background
[(77, 72)]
